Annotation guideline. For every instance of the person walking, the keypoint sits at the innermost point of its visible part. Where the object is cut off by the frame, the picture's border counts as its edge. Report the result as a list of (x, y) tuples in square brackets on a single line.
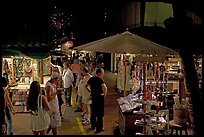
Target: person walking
[(9, 109), (2, 105), (60, 90), (51, 95), (98, 89), (32, 106), (68, 79), (75, 68)]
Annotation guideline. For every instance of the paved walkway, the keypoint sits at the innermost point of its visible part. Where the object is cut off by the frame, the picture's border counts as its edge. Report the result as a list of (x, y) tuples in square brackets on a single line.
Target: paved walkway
[(71, 124)]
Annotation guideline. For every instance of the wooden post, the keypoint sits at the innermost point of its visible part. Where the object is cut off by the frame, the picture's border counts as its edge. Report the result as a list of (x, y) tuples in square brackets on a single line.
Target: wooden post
[(157, 75), (144, 80), (125, 92), (1, 63), (41, 71), (144, 91), (12, 71), (33, 74)]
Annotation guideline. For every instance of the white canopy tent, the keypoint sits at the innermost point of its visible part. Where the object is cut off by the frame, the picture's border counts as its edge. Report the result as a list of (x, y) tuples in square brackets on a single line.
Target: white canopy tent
[(127, 42)]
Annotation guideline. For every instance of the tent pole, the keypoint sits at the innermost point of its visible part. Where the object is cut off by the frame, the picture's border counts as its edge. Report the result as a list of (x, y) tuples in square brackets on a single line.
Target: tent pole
[(125, 59), (144, 80), (41, 71)]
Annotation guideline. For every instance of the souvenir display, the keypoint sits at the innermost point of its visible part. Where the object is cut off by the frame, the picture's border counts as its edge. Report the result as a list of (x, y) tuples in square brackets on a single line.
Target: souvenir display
[(20, 71)]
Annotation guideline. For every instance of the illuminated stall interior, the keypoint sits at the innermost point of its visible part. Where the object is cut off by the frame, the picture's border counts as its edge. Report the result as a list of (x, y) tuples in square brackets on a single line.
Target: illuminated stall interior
[(20, 71)]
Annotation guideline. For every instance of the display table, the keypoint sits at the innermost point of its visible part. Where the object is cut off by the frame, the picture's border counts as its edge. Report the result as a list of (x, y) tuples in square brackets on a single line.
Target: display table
[(126, 122), (177, 127), (19, 96)]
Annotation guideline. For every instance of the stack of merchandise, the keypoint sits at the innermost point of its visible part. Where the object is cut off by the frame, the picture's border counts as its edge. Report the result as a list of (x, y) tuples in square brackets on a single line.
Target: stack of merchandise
[(180, 111)]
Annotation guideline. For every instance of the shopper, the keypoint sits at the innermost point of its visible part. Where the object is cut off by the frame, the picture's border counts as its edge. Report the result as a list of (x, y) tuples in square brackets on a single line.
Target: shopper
[(68, 79), (51, 95), (9, 109), (32, 106), (75, 68), (86, 96), (2, 106), (93, 68), (79, 95), (98, 89), (60, 90), (79, 77)]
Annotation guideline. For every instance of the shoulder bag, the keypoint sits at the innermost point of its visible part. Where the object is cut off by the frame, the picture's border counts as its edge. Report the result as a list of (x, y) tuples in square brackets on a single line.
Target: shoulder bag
[(41, 120)]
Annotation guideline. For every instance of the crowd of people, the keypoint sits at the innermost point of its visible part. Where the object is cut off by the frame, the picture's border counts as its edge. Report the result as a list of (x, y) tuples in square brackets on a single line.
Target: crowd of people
[(86, 78)]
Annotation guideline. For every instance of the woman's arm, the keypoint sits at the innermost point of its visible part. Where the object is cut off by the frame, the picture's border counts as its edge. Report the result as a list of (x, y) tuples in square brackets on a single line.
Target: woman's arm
[(45, 103), (87, 87), (50, 96)]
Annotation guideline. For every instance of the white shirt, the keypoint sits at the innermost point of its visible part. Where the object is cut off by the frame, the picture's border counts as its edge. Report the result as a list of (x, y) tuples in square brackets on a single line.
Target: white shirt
[(67, 78), (85, 93)]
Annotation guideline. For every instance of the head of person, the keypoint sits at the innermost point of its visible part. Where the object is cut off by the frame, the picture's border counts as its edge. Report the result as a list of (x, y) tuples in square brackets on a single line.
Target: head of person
[(82, 63), (35, 88), (100, 72), (55, 76), (93, 65), (3, 82), (34, 92), (75, 61), (55, 69), (85, 71), (66, 65)]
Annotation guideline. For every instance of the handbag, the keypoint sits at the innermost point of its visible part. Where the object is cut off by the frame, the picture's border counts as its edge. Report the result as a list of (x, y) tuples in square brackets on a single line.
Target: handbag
[(41, 120)]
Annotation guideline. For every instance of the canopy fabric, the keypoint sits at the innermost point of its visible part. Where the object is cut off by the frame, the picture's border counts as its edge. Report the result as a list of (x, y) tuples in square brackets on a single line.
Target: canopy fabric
[(150, 59), (36, 56), (127, 42), (10, 52)]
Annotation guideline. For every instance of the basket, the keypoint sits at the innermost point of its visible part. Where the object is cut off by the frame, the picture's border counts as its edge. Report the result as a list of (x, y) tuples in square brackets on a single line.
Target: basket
[(180, 116)]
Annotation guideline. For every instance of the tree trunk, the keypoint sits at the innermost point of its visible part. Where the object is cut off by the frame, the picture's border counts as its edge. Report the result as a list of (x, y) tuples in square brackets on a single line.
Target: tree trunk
[(192, 84), (183, 40)]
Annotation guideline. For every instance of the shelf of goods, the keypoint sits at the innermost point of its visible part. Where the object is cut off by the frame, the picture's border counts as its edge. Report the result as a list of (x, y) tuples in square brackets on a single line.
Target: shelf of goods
[(19, 96), (133, 119), (20, 93)]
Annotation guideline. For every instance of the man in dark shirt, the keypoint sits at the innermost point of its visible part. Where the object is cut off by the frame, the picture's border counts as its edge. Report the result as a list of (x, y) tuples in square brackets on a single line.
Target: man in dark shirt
[(98, 89)]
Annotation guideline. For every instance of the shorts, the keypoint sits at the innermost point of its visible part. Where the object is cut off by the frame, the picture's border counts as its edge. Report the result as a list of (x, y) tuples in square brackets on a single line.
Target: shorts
[(86, 101), (79, 98), (55, 120)]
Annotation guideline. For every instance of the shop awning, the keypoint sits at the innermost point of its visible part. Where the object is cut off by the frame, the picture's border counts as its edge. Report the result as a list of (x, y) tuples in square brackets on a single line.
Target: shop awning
[(127, 42), (10, 52)]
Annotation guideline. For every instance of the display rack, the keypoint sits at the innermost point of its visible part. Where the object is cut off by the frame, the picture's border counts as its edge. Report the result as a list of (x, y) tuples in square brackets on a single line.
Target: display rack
[(20, 93), (134, 118), (19, 101)]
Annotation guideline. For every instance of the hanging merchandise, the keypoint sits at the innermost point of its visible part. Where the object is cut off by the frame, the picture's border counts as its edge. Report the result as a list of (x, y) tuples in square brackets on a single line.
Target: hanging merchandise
[(28, 72)]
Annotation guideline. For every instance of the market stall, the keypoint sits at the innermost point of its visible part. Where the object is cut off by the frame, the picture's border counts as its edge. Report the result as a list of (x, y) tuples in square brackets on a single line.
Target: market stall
[(20, 71), (148, 71)]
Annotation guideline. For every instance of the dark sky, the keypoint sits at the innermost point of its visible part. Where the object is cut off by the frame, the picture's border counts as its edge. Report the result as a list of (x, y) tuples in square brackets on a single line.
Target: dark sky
[(17, 17), (31, 17)]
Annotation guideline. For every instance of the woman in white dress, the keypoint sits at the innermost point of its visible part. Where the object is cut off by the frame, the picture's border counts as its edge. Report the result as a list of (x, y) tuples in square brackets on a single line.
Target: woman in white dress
[(32, 104)]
